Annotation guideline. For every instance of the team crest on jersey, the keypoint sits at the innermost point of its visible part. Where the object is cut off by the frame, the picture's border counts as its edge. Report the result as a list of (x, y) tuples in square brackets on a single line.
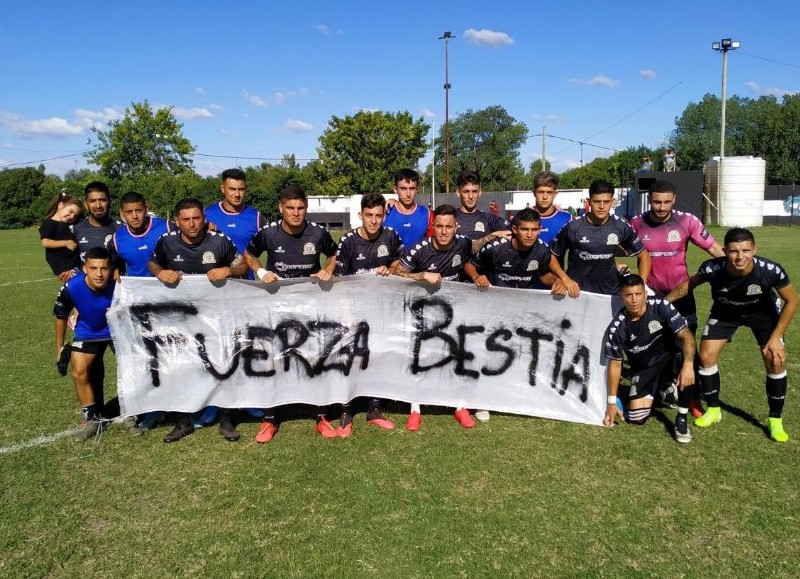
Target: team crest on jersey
[(208, 257), (753, 290), (613, 239), (383, 251), (654, 326), (480, 227), (309, 249), (533, 265), (456, 260), (674, 235)]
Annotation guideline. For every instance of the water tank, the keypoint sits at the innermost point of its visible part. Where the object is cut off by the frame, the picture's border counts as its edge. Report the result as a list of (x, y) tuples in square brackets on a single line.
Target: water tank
[(739, 199)]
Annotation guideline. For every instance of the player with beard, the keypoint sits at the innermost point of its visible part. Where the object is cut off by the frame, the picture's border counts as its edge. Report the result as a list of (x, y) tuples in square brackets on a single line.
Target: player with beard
[(294, 246), (744, 287), (444, 256), (368, 249), (97, 227), (195, 250)]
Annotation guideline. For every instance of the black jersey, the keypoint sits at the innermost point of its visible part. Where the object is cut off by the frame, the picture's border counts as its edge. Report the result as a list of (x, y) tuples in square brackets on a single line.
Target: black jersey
[(647, 341), (448, 262), (358, 255), (479, 224), (506, 266), (88, 236), (292, 255), (740, 298), (214, 250), (591, 251)]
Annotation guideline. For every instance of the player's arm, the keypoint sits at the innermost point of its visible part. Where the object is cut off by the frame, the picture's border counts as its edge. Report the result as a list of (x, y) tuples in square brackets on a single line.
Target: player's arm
[(166, 276), (643, 264), (774, 350), (48, 243), (477, 244), (716, 250), (688, 348), (326, 272), (477, 278), (430, 277), (684, 288), (612, 410), (562, 284)]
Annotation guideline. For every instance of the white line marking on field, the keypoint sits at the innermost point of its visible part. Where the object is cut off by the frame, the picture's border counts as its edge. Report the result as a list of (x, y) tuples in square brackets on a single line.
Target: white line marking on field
[(26, 281), (38, 441)]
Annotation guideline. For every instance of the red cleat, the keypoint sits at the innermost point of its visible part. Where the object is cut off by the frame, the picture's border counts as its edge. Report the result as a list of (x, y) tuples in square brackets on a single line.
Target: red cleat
[(326, 429), (696, 407), (463, 417), (266, 432), (414, 421), (345, 431)]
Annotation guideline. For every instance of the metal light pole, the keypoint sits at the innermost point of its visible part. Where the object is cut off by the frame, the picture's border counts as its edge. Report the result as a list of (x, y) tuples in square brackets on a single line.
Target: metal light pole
[(446, 37), (433, 164), (723, 46)]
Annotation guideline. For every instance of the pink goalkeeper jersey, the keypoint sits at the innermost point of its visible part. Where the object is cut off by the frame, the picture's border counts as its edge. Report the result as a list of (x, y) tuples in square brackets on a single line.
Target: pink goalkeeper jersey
[(667, 244)]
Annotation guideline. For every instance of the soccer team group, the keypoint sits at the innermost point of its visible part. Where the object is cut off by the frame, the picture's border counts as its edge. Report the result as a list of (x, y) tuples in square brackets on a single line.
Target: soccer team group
[(654, 329)]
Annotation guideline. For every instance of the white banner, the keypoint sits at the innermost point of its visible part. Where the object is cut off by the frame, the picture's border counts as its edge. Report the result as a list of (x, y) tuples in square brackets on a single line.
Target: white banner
[(242, 344)]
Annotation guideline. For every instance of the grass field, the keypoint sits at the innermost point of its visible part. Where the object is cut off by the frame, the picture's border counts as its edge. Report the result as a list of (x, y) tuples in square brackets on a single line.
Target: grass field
[(515, 497)]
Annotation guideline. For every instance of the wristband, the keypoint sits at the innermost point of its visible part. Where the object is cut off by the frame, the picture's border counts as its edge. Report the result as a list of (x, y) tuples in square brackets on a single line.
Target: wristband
[(612, 400), (261, 273)]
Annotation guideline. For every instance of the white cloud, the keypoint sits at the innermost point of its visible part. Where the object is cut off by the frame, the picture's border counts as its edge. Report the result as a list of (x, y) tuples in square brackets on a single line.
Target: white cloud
[(647, 73), (199, 90), (192, 114), (98, 119), (327, 30), (255, 100), (215, 107), (551, 118), (297, 126), (561, 165), (596, 80), (769, 91), (428, 113), (487, 37), (54, 127)]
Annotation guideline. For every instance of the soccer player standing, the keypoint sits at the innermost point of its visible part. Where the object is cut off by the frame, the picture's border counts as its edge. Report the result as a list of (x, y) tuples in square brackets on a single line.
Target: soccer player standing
[(132, 246), (743, 290), (293, 245), (411, 221), (232, 215), (545, 189), (480, 227), (97, 227)]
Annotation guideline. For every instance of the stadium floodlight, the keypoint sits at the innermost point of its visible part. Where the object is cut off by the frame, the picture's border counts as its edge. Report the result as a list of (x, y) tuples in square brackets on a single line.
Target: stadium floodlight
[(723, 46)]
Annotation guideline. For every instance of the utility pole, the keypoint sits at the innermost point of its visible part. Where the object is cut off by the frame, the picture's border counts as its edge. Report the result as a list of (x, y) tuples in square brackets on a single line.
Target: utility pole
[(723, 46), (446, 37)]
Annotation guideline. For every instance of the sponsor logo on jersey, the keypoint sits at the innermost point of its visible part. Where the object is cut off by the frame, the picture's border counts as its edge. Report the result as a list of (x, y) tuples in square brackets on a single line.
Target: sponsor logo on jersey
[(83, 240), (646, 238), (456, 260), (232, 225), (178, 258), (383, 251), (612, 239), (753, 290), (654, 326), (583, 239), (479, 226), (309, 249), (360, 257), (208, 257), (533, 265), (633, 337), (506, 264), (406, 225), (586, 256), (280, 249), (142, 247), (432, 266), (674, 236)]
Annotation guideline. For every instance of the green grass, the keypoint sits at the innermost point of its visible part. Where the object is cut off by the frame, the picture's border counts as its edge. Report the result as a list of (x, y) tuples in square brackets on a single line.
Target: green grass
[(516, 497)]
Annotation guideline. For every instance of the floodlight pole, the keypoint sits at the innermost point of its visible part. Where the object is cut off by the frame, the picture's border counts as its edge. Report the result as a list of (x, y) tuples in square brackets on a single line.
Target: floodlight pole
[(723, 46), (446, 37), (433, 164)]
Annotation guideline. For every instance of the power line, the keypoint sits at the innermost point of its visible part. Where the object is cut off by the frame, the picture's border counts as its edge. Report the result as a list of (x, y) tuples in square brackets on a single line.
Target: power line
[(250, 158), (790, 65), (39, 161)]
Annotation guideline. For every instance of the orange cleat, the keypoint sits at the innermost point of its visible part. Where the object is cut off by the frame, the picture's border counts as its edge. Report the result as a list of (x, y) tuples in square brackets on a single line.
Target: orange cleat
[(414, 421), (266, 432), (463, 417)]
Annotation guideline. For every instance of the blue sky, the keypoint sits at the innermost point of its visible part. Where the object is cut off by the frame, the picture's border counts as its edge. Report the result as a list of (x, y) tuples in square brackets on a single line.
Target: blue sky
[(260, 79)]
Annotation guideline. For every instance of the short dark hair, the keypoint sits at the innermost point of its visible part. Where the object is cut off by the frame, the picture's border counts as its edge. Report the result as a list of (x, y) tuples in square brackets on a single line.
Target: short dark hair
[(468, 177), (444, 209), (98, 252), (291, 192), (526, 214), (739, 234), (406, 175), (600, 186), (235, 174), (370, 200), (630, 280), (188, 203), (662, 186), (95, 187), (132, 197), (545, 179)]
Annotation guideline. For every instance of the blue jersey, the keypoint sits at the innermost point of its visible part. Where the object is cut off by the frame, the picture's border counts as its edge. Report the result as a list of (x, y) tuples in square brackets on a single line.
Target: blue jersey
[(91, 305), (240, 227), (412, 227), (552, 224), (132, 251)]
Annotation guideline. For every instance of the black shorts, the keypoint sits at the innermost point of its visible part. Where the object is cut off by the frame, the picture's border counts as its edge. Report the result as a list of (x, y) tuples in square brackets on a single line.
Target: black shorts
[(761, 326), (97, 347), (655, 377)]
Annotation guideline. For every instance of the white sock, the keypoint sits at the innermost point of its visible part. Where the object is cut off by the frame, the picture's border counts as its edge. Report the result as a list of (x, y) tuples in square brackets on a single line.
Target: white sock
[(415, 407)]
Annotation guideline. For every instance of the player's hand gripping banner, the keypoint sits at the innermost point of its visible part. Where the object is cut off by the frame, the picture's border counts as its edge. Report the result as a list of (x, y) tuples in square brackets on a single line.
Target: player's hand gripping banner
[(243, 344)]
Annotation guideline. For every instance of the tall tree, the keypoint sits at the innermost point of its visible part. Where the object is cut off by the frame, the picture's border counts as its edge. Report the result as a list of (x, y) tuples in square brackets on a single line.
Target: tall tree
[(143, 142), (487, 141), (20, 188), (360, 153)]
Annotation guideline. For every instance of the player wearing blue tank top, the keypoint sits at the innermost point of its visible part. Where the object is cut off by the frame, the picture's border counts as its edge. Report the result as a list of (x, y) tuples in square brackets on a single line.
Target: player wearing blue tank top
[(90, 294), (232, 215), (411, 221), (132, 245)]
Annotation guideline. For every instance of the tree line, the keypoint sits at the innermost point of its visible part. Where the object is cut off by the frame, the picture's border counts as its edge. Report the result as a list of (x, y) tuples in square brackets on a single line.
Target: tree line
[(145, 150)]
